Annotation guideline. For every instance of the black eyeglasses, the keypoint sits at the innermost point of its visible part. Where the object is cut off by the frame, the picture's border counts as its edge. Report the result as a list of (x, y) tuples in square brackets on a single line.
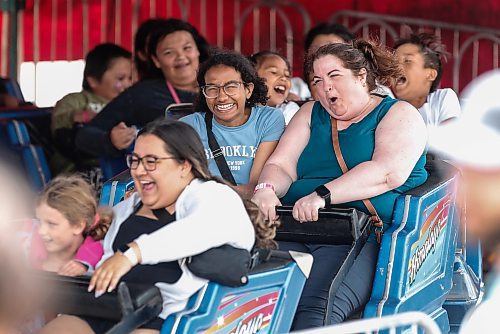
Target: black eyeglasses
[(230, 88), (148, 161)]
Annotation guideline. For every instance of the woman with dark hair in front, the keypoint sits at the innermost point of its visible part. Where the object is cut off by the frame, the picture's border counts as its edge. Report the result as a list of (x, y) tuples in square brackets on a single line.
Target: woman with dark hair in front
[(153, 230), (232, 96), (176, 49), (382, 141), (421, 56)]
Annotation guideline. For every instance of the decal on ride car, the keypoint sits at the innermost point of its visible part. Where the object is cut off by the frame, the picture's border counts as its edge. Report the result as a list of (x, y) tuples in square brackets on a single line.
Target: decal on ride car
[(430, 232), (249, 313)]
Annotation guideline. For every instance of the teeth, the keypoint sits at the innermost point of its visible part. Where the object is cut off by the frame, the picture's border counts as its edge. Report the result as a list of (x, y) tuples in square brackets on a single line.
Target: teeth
[(224, 107), (280, 89)]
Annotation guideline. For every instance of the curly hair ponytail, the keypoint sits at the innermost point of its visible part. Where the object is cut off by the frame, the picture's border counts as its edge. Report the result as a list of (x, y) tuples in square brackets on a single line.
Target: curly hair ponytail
[(381, 61)]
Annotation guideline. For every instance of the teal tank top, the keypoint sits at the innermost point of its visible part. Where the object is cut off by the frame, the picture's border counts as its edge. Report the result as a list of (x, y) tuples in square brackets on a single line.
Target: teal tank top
[(318, 165)]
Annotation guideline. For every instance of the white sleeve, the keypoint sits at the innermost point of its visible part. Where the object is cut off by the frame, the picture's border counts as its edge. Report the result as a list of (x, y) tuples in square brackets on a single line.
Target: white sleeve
[(289, 109), (449, 105), (215, 216), (299, 87)]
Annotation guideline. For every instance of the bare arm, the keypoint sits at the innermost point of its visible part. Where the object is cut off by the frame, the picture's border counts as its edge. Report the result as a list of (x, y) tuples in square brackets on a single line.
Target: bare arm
[(280, 168), (263, 153), (400, 140)]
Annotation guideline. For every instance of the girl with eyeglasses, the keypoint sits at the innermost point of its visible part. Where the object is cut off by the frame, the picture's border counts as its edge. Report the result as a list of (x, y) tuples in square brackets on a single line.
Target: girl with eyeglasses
[(232, 100), (175, 213)]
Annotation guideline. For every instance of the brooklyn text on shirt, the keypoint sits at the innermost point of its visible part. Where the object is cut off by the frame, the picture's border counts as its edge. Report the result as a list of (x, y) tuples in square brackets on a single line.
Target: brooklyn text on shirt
[(235, 151)]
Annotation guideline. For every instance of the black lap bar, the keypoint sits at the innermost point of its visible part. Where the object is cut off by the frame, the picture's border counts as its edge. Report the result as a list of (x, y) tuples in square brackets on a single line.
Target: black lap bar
[(335, 226), (130, 305)]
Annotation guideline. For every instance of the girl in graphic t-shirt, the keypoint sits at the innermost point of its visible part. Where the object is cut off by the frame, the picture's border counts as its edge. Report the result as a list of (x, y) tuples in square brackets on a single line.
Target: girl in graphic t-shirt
[(246, 131)]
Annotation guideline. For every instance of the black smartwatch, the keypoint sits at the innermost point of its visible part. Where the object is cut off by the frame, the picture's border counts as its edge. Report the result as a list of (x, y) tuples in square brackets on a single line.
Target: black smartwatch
[(324, 193)]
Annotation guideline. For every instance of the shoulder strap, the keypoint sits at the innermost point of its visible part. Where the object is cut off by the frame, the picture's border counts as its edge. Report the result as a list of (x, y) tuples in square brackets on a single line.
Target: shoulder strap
[(377, 222), (217, 152), (173, 93)]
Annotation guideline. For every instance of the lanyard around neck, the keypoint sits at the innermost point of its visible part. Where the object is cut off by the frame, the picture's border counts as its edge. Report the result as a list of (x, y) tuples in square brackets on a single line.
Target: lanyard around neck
[(173, 92)]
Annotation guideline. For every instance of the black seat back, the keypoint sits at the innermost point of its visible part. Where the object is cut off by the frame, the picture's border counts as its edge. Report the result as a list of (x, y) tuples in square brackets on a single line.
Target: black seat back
[(178, 110)]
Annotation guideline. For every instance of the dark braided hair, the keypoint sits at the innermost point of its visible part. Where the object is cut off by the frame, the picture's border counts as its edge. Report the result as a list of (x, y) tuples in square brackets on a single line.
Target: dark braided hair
[(431, 49)]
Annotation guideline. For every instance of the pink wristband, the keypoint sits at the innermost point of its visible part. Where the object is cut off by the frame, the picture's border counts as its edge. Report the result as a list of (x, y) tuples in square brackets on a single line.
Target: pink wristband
[(262, 186)]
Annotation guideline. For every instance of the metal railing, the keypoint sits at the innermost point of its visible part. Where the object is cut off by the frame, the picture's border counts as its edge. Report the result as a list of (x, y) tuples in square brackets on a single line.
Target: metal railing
[(473, 49), (411, 322)]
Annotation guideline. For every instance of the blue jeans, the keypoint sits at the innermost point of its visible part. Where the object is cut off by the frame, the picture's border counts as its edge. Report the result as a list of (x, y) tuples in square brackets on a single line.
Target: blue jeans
[(353, 293)]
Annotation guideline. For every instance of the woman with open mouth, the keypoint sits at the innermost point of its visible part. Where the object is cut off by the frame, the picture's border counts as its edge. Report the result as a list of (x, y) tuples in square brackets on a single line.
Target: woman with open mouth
[(152, 231), (231, 101), (381, 141)]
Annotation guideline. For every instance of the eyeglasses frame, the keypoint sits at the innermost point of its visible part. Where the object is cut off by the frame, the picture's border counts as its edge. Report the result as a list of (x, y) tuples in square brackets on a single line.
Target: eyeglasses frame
[(219, 88), (142, 161)]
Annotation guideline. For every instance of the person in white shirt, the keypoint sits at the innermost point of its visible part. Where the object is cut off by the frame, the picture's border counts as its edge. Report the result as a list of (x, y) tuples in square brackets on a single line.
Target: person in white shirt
[(175, 213), (421, 57)]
